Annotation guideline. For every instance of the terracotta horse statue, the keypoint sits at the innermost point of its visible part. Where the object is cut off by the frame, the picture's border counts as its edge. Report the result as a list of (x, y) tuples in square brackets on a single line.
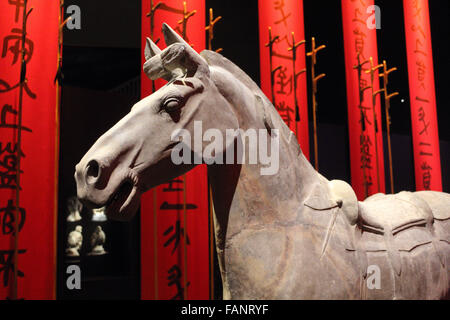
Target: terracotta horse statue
[(291, 235)]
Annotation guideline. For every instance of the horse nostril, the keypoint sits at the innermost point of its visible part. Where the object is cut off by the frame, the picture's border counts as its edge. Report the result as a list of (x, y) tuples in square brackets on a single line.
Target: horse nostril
[(92, 172)]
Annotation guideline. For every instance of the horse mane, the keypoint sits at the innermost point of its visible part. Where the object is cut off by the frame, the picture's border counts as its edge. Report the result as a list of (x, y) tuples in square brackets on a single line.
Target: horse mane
[(217, 60)]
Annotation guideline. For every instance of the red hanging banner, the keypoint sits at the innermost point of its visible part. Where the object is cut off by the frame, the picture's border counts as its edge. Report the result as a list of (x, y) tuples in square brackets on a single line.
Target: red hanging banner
[(168, 252), (427, 160), (28, 144), (364, 116), (282, 79)]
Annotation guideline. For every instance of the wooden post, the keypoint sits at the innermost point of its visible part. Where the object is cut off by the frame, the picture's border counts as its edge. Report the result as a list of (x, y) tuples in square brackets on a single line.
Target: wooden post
[(151, 15), (210, 29), (372, 71), (296, 75), (184, 21), (314, 79), (23, 80), (387, 105), (272, 70)]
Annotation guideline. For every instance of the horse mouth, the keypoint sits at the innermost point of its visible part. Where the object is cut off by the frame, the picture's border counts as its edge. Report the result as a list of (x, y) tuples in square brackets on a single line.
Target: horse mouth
[(124, 202)]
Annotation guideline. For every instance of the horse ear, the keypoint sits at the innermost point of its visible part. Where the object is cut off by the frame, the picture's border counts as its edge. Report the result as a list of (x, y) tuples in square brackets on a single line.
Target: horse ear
[(153, 66), (178, 59), (151, 49), (193, 62), (170, 36)]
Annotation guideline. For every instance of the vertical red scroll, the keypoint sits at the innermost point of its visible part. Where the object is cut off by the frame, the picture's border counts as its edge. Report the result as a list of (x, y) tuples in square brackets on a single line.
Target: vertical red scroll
[(284, 17), (367, 173), (427, 161), (36, 253), (165, 246)]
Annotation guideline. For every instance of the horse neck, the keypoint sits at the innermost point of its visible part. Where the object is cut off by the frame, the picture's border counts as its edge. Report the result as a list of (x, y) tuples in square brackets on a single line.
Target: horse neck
[(243, 198)]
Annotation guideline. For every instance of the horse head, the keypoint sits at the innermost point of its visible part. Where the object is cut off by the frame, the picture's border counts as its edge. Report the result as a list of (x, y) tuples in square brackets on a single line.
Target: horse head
[(135, 154)]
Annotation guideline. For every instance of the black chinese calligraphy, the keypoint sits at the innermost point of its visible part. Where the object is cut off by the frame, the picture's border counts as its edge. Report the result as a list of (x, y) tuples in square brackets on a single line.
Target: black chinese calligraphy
[(426, 175), (283, 82), (174, 235), (176, 206), (19, 4), (8, 165), (8, 219), (366, 156), (7, 265), (170, 186), (15, 48), (8, 109), (285, 112), (425, 148), (5, 87), (174, 279), (279, 5)]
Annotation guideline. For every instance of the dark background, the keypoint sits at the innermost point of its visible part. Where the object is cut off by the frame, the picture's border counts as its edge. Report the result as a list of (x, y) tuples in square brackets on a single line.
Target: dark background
[(101, 65)]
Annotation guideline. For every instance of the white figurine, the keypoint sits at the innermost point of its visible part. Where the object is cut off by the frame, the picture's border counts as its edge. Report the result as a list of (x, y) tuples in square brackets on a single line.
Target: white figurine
[(99, 214), (74, 207), (97, 241), (74, 242)]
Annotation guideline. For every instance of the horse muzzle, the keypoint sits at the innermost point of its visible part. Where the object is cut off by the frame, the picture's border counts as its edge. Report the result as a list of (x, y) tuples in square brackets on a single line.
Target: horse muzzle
[(116, 188)]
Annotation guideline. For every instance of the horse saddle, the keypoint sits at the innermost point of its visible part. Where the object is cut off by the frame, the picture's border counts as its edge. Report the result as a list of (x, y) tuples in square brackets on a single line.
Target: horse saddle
[(389, 223), (380, 213), (389, 215), (379, 221)]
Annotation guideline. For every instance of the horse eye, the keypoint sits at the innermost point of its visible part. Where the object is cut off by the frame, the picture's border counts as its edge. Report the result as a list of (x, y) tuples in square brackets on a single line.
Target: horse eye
[(171, 104)]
